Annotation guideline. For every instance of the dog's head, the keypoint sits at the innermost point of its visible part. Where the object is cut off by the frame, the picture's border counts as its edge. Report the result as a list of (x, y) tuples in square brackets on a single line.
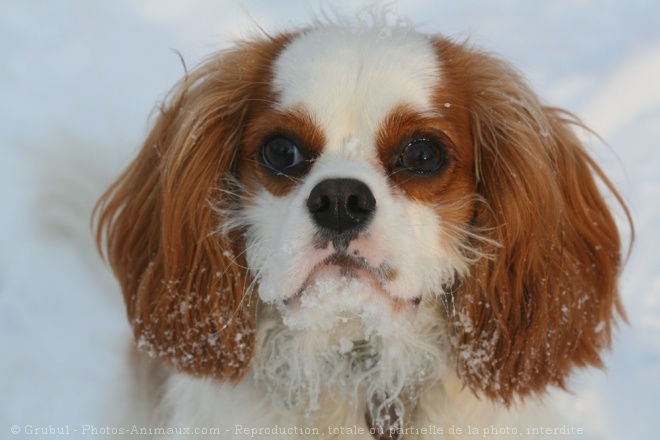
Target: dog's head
[(365, 183)]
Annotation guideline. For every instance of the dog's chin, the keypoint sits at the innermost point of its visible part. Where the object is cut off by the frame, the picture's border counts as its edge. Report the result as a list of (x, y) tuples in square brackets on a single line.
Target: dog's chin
[(336, 298), (342, 336)]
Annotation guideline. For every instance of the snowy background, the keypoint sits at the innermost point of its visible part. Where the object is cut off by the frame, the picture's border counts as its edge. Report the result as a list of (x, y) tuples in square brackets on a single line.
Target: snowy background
[(78, 80)]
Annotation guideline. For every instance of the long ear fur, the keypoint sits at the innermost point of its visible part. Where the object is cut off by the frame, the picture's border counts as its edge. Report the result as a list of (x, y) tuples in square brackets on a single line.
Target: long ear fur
[(547, 300), (184, 284)]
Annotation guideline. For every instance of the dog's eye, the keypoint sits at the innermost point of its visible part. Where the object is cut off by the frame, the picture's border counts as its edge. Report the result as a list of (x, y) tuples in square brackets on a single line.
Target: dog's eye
[(423, 156), (280, 153)]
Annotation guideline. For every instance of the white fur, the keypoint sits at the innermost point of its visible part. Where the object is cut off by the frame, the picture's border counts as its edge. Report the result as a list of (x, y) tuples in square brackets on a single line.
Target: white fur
[(203, 409), (349, 79), (281, 250)]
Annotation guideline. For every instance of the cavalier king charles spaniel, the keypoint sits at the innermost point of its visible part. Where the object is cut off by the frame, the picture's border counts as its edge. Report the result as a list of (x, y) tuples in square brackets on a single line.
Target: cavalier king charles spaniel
[(358, 231)]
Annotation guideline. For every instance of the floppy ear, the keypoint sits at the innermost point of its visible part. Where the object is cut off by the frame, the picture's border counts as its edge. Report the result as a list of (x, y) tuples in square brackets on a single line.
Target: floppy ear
[(547, 299), (185, 284)]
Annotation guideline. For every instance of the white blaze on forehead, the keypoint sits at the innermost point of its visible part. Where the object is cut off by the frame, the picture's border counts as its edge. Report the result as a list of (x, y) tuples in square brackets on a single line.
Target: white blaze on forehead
[(349, 79)]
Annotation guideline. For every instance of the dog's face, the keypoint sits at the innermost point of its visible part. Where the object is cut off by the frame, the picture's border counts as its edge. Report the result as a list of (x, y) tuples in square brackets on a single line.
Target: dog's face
[(359, 178), (347, 184)]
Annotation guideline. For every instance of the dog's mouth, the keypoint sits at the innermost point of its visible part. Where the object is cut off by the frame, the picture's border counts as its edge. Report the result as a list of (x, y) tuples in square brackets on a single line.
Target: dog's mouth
[(343, 286)]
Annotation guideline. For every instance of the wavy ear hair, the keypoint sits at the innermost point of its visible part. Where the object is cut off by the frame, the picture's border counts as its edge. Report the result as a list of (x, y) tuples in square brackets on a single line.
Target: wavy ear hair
[(547, 300), (184, 283)]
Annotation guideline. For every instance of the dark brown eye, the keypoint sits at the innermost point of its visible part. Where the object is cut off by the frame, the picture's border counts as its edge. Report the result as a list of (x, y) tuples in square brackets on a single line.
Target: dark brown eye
[(423, 156), (280, 153)]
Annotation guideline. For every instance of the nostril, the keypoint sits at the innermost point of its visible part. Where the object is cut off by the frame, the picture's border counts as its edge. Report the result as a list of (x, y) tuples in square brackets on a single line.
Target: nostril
[(361, 203), (341, 205), (318, 204)]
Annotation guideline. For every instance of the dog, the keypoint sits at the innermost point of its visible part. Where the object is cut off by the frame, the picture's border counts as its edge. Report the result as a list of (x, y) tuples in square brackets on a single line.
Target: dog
[(359, 231)]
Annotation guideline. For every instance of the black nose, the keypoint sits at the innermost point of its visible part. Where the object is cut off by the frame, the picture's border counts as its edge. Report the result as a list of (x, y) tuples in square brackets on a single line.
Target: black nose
[(341, 205)]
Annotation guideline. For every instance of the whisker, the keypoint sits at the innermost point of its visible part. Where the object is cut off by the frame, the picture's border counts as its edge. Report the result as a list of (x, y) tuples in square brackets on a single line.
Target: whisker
[(281, 174), (247, 293)]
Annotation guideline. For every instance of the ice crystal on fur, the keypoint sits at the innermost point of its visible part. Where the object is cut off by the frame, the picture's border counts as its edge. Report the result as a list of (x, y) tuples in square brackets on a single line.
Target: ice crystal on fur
[(357, 358), (201, 343), (475, 359), (328, 302)]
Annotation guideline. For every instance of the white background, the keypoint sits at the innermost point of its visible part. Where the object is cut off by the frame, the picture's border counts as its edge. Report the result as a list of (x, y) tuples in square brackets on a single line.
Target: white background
[(78, 80)]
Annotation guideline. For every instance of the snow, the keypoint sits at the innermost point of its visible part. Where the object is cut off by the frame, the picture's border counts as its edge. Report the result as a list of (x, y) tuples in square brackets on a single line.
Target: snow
[(79, 79)]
